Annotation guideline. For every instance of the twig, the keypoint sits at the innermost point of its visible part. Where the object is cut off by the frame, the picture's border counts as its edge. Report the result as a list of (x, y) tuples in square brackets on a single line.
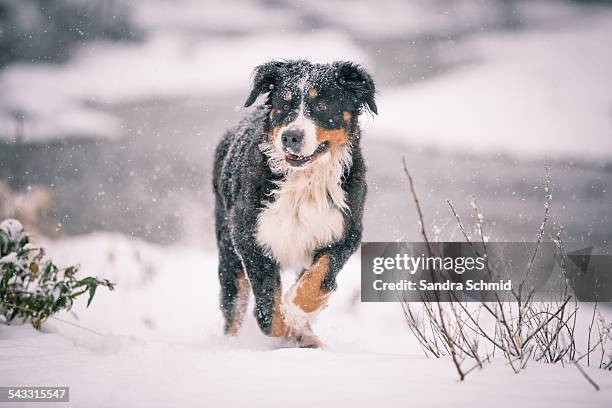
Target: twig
[(417, 204), (589, 338), (585, 375)]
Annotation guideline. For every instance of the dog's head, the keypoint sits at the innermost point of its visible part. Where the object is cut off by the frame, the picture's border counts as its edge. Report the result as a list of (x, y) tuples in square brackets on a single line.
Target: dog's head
[(312, 109)]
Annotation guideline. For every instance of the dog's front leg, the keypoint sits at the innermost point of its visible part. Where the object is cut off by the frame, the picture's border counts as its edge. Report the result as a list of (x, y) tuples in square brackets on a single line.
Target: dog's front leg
[(306, 298), (262, 271), (264, 277), (309, 295)]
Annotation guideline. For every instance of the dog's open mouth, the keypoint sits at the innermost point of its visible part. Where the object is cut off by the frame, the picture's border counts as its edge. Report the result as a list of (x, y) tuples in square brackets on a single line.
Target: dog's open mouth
[(298, 161)]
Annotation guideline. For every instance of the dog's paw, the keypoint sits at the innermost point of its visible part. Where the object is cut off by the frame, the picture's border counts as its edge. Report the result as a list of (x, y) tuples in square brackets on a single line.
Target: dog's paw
[(308, 340), (305, 338)]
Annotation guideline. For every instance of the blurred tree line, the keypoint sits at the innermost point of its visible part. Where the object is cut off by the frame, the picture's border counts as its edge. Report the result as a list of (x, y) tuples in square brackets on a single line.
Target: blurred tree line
[(48, 30)]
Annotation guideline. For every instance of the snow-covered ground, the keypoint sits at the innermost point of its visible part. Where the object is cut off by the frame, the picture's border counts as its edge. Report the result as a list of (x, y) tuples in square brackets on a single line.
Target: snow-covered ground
[(156, 342)]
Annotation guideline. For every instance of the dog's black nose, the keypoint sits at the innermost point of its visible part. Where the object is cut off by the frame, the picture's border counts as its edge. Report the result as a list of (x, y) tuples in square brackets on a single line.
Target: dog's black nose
[(292, 139)]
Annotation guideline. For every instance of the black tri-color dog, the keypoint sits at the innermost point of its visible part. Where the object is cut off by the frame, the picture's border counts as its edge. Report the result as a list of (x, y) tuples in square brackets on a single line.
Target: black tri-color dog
[(290, 186)]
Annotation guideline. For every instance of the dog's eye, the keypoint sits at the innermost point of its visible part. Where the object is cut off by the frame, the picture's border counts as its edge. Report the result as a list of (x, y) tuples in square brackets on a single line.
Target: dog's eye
[(321, 107), (285, 107)]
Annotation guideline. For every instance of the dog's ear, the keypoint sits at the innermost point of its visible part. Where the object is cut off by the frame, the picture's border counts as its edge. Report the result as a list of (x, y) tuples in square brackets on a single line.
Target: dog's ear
[(355, 79), (265, 77)]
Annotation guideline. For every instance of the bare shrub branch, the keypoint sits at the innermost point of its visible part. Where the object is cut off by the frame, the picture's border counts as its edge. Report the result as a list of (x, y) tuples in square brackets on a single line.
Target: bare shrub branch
[(522, 330)]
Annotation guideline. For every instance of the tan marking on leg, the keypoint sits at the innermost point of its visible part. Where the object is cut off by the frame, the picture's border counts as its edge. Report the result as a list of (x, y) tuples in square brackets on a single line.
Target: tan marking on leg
[(309, 296), (240, 305), (346, 116), (279, 327), (335, 137)]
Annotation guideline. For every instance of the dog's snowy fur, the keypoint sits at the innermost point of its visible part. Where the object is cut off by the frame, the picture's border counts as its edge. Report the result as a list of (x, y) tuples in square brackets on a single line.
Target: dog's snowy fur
[(291, 206)]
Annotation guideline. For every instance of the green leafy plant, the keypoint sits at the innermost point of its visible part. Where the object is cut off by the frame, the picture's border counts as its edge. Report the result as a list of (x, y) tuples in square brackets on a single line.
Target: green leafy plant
[(33, 288)]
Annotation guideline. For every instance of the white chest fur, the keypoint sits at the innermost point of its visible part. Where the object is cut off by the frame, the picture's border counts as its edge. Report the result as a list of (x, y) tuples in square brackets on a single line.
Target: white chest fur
[(306, 214)]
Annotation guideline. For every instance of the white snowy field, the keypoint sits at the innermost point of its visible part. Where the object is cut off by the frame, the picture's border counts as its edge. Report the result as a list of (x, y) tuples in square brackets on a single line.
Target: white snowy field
[(156, 341)]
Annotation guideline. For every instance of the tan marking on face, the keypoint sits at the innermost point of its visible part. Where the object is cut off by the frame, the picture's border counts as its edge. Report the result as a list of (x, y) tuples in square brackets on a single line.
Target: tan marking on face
[(309, 296), (312, 93), (346, 116), (279, 327), (240, 305), (273, 133), (288, 95), (335, 137)]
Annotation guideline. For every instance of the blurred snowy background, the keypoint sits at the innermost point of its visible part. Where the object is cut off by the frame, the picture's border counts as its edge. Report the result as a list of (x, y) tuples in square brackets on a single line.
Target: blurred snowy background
[(113, 108)]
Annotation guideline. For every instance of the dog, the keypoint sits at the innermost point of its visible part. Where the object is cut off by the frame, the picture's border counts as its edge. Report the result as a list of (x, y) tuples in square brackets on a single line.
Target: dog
[(289, 184)]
